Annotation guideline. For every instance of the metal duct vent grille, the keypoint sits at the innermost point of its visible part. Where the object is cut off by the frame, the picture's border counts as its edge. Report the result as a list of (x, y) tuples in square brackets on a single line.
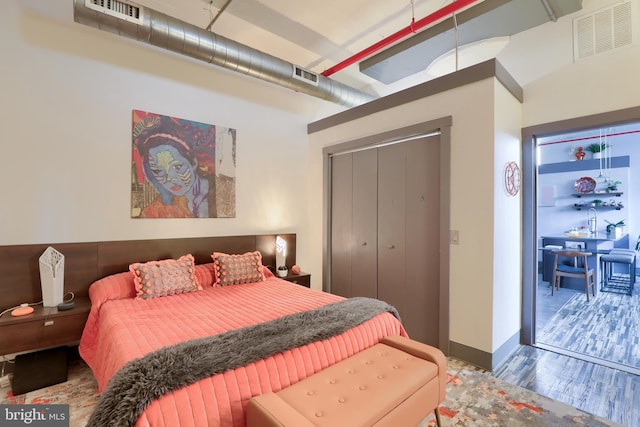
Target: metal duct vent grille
[(305, 75), (127, 11), (602, 31)]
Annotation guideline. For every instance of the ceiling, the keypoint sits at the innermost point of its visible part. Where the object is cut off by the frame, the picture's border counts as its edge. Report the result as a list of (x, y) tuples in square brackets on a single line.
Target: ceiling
[(313, 35), (317, 36)]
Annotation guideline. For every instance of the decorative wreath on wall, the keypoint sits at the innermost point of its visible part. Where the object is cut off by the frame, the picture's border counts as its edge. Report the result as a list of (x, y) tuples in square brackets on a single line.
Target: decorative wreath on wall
[(512, 178)]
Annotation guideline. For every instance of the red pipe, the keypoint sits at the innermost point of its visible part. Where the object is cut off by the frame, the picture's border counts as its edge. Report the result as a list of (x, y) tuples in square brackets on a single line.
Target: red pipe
[(589, 137), (412, 28)]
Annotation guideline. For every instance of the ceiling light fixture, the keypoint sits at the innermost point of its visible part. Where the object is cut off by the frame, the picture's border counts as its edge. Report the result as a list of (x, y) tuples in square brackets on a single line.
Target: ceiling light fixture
[(467, 55)]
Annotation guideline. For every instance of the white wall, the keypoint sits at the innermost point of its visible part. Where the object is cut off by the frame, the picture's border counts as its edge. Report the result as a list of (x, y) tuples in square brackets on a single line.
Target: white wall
[(608, 82), (473, 182), (507, 221), (600, 83), (65, 110)]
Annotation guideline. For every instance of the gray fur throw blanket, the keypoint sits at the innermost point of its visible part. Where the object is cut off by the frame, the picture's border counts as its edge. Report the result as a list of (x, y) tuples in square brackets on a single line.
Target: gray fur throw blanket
[(142, 380)]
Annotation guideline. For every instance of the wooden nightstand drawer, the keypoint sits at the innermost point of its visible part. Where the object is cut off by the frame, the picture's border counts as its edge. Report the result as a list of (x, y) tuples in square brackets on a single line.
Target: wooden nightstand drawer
[(46, 327), (41, 333), (302, 279)]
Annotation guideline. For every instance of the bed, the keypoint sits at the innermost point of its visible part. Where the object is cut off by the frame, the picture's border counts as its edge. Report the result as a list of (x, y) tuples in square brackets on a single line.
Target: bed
[(124, 330)]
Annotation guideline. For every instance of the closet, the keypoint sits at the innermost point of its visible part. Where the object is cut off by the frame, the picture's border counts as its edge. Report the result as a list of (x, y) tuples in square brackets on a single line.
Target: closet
[(385, 225)]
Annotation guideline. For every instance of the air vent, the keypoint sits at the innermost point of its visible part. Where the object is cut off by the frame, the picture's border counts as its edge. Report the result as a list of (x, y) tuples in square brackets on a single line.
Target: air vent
[(305, 75), (602, 31), (128, 11)]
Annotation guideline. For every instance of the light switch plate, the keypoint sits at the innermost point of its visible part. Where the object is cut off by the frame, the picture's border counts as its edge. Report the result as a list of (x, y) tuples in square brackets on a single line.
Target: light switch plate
[(454, 237)]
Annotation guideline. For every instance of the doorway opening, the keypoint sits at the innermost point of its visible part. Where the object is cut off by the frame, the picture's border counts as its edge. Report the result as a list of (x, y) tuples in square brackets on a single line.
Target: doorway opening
[(587, 204)]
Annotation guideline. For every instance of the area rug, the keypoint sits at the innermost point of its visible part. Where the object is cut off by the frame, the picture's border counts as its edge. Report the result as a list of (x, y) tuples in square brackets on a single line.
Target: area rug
[(474, 399), (606, 327), (80, 392)]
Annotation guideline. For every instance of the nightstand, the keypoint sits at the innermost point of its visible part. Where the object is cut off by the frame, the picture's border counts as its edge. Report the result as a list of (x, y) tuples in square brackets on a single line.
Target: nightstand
[(302, 279), (45, 327)]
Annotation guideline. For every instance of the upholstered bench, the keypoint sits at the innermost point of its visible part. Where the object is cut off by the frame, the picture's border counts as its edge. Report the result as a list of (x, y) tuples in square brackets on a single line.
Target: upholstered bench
[(396, 382)]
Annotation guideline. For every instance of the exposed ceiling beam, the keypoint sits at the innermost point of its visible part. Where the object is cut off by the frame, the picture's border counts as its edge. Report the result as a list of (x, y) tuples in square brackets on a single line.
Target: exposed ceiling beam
[(489, 19)]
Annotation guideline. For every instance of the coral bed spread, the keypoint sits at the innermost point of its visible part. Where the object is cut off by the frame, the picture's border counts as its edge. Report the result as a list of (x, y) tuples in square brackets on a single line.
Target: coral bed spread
[(121, 328)]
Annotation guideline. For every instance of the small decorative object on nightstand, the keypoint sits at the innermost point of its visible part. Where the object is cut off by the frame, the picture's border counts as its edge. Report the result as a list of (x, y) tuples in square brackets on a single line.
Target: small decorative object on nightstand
[(295, 269), (282, 271)]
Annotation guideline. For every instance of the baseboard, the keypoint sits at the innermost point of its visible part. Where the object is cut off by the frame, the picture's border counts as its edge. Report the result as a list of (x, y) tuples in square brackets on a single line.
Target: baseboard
[(505, 350), (472, 355), (483, 359)]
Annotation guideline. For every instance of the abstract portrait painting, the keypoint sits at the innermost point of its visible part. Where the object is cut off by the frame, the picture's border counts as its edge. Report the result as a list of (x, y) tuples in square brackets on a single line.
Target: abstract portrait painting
[(182, 168)]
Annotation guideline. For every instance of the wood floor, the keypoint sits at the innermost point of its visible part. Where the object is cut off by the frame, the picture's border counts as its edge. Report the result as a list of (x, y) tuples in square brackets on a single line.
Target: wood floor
[(592, 387), (606, 392)]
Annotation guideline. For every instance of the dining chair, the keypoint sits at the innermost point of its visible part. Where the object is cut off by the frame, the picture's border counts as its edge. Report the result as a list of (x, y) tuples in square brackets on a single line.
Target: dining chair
[(576, 270)]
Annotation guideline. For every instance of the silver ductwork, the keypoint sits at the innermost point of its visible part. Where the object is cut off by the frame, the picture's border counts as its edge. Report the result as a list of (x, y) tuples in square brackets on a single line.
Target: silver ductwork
[(146, 25)]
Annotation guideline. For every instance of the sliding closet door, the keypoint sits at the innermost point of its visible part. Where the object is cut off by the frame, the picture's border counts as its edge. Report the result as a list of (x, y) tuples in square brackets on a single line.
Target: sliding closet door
[(341, 219), (354, 225), (391, 226), (364, 253), (408, 232), (385, 225), (422, 263)]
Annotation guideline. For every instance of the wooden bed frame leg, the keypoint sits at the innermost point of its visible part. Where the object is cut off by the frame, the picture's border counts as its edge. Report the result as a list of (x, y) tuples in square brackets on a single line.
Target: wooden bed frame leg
[(437, 412)]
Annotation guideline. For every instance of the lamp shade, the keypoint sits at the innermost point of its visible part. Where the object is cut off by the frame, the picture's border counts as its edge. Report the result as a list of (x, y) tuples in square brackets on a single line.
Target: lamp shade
[(281, 252), (52, 277)]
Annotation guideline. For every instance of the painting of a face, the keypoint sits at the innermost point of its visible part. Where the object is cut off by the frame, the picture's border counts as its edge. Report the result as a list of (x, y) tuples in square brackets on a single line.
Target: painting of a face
[(181, 168), (172, 170)]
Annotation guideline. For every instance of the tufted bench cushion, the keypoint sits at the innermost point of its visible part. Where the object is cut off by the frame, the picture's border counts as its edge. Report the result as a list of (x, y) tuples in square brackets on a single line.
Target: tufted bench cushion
[(396, 382)]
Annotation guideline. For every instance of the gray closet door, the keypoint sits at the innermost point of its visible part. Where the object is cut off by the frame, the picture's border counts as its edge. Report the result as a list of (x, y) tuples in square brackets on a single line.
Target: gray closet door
[(408, 233), (354, 202), (422, 262), (341, 219), (391, 225), (364, 253), (385, 222)]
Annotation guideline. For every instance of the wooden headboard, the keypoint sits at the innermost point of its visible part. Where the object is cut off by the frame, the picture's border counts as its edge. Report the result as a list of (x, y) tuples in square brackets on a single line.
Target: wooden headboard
[(84, 263)]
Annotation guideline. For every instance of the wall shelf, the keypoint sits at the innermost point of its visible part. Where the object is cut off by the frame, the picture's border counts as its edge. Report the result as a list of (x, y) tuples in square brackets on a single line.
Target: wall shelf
[(599, 207), (582, 165), (613, 193)]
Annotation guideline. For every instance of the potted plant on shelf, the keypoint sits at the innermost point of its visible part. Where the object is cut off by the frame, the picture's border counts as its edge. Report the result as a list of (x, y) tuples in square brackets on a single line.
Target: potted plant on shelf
[(615, 228), (597, 149), (612, 186)]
